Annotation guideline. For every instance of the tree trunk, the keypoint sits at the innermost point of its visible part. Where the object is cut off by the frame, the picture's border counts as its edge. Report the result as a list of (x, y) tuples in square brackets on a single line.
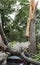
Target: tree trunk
[(30, 29), (32, 38)]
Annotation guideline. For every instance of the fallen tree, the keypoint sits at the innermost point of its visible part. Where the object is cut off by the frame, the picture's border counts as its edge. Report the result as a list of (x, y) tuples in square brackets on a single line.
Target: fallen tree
[(13, 52), (21, 53)]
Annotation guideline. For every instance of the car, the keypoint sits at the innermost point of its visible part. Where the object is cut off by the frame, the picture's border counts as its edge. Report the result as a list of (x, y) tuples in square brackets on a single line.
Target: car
[(15, 60)]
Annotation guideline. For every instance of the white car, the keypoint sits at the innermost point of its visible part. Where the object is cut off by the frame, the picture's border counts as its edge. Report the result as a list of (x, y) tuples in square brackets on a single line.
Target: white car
[(15, 60)]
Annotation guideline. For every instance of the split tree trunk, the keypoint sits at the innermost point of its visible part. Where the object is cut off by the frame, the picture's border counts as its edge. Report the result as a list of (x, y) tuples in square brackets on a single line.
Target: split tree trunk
[(30, 29)]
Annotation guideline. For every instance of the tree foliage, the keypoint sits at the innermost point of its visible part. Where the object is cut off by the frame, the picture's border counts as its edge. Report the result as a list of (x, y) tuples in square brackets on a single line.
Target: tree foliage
[(38, 26), (14, 29)]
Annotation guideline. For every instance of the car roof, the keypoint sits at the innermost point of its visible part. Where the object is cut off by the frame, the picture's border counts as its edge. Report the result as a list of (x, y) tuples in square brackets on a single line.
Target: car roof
[(14, 57)]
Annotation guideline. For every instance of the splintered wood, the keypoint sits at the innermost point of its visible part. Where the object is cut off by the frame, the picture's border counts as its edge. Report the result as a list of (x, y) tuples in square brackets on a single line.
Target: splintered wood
[(30, 17)]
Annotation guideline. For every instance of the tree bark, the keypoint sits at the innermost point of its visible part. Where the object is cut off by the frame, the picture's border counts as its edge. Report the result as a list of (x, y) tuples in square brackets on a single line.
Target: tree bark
[(32, 38)]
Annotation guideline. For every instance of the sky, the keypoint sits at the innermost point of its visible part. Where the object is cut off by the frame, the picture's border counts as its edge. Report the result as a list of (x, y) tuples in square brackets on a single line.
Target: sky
[(38, 4)]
